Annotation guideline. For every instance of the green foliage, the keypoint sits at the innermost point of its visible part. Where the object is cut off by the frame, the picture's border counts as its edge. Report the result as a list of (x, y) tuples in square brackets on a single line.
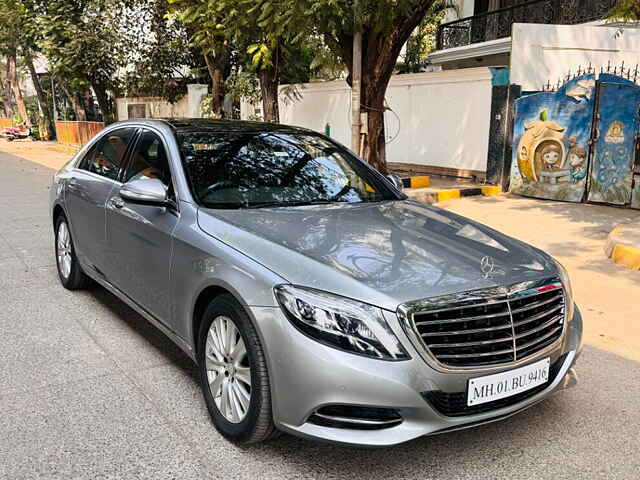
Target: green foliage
[(423, 40), (243, 84), (162, 55), (256, 27), (86, 42), (625, 11)]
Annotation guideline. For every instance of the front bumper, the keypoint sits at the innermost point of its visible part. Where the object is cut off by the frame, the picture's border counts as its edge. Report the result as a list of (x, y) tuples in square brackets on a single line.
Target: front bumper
[(306, 376)]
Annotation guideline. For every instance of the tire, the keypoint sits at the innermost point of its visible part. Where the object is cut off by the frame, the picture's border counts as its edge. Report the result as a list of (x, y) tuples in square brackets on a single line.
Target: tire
[(256, 425), (71, 275)]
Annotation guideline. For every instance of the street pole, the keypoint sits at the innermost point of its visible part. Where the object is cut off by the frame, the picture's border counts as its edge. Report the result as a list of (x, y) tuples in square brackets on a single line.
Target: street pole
[(53, 98), (356, 80), (55, 109)]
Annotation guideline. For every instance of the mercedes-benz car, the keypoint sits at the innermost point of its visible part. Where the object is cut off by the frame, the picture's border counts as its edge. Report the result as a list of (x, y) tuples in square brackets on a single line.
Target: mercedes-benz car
[(313, 295)]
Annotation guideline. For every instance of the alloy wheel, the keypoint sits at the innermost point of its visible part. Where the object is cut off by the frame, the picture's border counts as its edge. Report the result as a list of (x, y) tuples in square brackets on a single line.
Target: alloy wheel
[(63, 247), (228, 370)]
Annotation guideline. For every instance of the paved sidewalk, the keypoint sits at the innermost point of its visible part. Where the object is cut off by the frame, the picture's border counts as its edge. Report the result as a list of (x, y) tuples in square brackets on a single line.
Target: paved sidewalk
[(576, 235), (88, 389), (49, 154)]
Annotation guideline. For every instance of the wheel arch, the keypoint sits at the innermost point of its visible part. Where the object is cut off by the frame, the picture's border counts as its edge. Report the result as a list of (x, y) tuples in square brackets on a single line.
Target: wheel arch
[(56, 213), (207, 295)]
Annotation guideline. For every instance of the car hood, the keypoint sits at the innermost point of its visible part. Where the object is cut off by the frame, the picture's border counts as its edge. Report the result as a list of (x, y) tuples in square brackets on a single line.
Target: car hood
[(381, 253)]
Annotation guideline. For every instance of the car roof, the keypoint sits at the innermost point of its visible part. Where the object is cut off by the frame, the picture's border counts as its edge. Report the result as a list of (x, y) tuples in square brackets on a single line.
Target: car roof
[(187, 125)]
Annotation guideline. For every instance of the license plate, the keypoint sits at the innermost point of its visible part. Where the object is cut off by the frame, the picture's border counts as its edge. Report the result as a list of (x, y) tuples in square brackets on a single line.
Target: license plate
[(501, 385)]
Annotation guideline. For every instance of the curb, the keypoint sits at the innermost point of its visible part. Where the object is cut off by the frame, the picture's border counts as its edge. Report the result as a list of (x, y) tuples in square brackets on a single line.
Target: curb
[(623, 248), (416, 182), (451, 194)]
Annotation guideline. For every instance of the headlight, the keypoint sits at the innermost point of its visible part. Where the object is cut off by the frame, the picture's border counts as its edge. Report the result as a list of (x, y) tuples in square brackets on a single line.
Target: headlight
[(568, 291), (339, 322)]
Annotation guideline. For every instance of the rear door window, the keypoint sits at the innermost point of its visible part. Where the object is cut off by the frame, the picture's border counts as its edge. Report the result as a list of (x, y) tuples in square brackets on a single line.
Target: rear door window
[(106, 157)]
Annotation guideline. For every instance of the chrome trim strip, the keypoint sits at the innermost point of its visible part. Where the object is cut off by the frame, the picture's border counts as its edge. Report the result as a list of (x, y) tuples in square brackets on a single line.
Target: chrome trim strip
[(513, 333), (463, 332), (469, 344), (537, 316), (357, 421), (539, 328), (473, 355), (539, 340), (406, 312), (480, 302), (536, 304), (458, 320), (96, 175)]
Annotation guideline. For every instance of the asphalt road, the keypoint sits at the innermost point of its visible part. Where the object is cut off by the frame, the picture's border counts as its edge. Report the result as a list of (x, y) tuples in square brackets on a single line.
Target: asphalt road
[(88, 389)]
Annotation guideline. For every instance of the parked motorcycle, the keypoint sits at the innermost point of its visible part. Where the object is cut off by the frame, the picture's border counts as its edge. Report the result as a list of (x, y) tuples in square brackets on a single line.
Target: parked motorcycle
[(21, 132)]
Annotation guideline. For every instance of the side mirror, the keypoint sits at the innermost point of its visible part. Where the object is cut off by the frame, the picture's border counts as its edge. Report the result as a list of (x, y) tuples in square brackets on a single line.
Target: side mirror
[(149, 191), (396, 181)]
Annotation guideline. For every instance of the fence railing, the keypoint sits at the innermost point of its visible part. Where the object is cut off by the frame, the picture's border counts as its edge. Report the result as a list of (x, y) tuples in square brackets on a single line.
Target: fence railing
[(497, 23), (77, 133)]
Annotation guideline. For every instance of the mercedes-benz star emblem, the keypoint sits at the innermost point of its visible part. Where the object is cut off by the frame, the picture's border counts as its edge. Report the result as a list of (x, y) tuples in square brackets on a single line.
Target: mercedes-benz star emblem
[(488, 266)]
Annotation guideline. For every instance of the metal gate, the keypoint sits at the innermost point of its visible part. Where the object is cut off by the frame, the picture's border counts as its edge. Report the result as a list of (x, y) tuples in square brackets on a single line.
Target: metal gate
[(578, 143)]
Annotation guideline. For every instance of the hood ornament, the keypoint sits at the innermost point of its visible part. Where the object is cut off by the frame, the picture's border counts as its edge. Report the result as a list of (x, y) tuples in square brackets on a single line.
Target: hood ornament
[(488, 267)]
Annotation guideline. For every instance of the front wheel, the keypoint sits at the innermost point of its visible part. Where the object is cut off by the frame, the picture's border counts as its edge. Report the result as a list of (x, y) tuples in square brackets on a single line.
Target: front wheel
[(69, 270), (233, 373)]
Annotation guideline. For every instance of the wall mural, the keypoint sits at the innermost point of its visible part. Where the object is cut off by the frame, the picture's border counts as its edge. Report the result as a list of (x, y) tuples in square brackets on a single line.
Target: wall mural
[(551, 134), (611, 172)]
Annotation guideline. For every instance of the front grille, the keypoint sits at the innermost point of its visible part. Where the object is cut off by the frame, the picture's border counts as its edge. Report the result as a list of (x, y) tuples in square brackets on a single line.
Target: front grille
[(455, 404), (484, 330)]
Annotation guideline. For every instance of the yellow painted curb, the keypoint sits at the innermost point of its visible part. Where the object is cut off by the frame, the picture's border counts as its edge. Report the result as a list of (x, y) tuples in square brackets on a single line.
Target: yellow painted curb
[(420, 182), (492, 190), (448, 195), (626, 256)]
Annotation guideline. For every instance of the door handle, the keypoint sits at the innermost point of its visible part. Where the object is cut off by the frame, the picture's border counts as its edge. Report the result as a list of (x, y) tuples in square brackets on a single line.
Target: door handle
[(116, 202), (72, 184)]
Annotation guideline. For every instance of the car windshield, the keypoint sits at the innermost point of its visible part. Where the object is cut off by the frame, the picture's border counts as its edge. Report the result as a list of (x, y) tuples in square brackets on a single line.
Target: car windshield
[(275, 169)]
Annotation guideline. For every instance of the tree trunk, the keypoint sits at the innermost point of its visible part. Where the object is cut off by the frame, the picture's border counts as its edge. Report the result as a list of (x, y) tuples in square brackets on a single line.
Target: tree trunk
[(76, 104), (105, 103), (219, 69), (42, 99), (7, 100), (374, 146), (380, 51), (12, 74), (269, 82)]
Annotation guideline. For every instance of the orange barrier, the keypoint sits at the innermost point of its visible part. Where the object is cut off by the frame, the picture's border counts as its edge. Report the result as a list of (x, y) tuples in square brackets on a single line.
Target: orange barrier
[(5, 122), (77, 133)]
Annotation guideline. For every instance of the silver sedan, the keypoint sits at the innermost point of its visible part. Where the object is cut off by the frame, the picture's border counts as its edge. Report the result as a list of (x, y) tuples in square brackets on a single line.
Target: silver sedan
[(314, 297)]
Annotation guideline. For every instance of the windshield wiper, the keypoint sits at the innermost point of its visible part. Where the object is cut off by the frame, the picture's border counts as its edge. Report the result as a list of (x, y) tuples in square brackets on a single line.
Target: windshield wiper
[(290, 203)]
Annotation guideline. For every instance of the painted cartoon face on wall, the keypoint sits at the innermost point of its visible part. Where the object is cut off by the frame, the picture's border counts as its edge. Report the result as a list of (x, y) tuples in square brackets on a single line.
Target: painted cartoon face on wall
[(523, 156), (551, 156), (572, 148), (540, 136), (576, 160)]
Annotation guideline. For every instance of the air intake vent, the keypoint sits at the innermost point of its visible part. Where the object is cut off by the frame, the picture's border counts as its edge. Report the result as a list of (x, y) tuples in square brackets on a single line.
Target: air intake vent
[(355, 417)]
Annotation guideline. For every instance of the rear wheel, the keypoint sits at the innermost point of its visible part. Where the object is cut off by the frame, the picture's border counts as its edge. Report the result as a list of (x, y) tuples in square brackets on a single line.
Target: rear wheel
[(233, 373), (69, 270)]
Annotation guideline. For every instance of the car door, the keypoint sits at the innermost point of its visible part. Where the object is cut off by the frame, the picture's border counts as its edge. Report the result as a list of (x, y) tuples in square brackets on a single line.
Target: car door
[(140, 236), (88, 189)]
